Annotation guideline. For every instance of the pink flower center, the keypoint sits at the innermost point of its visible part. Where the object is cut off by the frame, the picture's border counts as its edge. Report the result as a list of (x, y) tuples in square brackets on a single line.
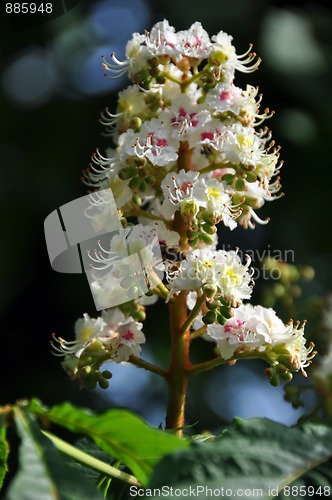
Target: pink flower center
[(129, 335), (225, 96), (207, 135)]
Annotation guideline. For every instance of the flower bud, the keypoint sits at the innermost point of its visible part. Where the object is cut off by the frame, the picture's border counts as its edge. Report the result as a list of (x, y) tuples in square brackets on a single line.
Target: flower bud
[(137, 200), (135, 123), (127, 173), (209, 318), (103, 383), (188, 208), (209, 228), (210, 289), (154, 71), (160, 79), (207, 238), (134, 182), (106, 374)]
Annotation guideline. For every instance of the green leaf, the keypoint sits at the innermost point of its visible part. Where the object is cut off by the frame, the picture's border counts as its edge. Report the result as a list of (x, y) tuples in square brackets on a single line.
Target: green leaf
[(43, 472), (4, 449), (254, 454), (120, 433)]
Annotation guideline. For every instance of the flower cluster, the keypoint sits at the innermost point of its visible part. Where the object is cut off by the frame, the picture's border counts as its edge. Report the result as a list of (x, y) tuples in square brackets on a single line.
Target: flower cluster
[(258, 330), (188, 153), (111, 337)]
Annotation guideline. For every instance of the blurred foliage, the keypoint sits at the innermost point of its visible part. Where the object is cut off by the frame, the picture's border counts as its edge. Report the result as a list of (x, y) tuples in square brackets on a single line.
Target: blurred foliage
[(46, 143)]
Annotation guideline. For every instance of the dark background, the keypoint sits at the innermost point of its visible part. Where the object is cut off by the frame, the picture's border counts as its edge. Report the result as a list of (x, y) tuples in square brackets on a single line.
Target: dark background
[(52, 90)]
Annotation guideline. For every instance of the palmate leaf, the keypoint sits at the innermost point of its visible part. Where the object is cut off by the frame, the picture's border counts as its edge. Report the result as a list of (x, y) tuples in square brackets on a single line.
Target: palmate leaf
[(43, 473), (120, 433), (4, 449), (256, 454)]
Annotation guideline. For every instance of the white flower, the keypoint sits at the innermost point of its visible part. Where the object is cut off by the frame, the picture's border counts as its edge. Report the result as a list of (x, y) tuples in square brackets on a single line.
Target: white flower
[(235, 334), (176, 188), (215, 197), (224, 56), (255, 328), (185, 117), (119, 335), (86, 330), (128, 335), (226, 97), (153, 142), (194, 42), (162, 40), (219, 267)]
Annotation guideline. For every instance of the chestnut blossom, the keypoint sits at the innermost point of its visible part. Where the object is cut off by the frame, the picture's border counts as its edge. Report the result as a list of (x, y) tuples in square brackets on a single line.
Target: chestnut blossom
[(256, 328), (117, 335), (220, 268), (187, 154)]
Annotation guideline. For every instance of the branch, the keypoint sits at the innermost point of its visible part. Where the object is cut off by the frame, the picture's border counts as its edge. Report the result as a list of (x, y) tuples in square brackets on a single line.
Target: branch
[(134, 360)]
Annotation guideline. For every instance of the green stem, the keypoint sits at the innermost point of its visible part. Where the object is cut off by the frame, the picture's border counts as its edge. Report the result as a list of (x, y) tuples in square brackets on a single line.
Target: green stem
[(159, 287), (172, 78), (134, 360), (212, 363), (90, 461), (193, 313), (198, 333), (177, 374)]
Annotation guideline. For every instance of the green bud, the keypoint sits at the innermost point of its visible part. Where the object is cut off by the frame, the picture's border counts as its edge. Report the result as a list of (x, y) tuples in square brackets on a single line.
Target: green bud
[(217, 57), (139, 315), (106, 374), (153, 61), (228, 178), (210, 290), (103, 383), (150, 179), (287, 376), (137, 200), (209, 228), (154, 72), (251, 177), (286, 361), (127, 173), (227, 312), (160, 79), (134, 182), (275, 380), (208, 217), (193, 242), (143, 172), (221, 319), (207, 238), (143, 186), (147, 83), (239, 185), (209, 318), (212, 304), (135, 123), (281, 369)]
